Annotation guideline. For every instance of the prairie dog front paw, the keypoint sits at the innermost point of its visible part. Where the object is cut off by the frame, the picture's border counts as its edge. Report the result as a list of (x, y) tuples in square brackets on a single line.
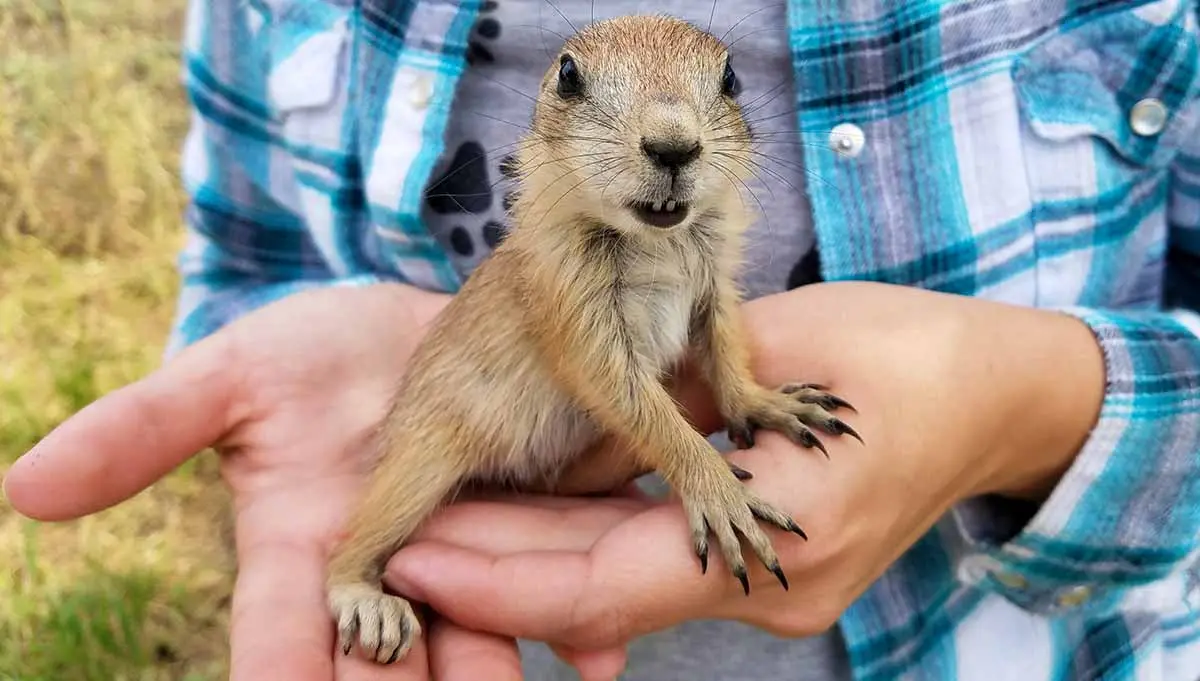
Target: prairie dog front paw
[(792, 410), (718, 505)]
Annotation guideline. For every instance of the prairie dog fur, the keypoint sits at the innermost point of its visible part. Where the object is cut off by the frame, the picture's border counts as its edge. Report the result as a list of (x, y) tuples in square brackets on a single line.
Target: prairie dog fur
[(621, 260)]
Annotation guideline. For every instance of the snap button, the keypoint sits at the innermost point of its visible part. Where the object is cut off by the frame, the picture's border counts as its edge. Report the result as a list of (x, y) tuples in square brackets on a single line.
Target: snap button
[(971, 570), (1011, 580), (1148, 117), (1074, 596), (422, 92), (847, 139)]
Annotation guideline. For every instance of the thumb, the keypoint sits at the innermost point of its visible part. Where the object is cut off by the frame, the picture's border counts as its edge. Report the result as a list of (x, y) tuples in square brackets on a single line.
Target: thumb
[(641, 576), (123, 442)]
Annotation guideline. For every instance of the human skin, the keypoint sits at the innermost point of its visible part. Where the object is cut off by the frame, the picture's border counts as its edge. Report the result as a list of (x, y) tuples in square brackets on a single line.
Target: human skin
[(953, 399), (957, 397), (288, 395)]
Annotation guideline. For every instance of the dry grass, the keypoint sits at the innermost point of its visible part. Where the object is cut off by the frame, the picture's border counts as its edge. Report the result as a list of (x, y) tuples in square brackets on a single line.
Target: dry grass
[(91, 120)]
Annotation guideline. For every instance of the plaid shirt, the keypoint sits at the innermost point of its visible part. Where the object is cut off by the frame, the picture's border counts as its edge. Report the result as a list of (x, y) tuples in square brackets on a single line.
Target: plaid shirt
[(1044, 152)]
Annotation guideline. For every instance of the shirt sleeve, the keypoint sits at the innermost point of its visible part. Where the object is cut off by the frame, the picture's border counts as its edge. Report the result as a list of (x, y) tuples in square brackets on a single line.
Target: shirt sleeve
[(1127, 513)]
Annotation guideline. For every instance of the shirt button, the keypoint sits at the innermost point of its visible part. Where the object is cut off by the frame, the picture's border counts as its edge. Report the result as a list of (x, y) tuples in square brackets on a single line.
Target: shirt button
[(422, 92), (1074, 597), (847, 139), (972, 570), (1011, 580), (1148, 117)]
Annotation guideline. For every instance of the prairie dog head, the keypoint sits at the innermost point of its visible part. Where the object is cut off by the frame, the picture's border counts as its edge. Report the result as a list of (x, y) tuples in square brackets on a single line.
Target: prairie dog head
[(637, 125)]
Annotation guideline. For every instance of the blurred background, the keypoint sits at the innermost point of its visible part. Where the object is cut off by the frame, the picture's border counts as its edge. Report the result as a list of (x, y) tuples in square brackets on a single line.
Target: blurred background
[(92, 117)]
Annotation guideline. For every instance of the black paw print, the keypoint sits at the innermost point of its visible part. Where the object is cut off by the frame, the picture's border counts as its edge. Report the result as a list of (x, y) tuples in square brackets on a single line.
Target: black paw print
[(807, 271), (493, 231), (461, 242), (486, 28), (464, 187)]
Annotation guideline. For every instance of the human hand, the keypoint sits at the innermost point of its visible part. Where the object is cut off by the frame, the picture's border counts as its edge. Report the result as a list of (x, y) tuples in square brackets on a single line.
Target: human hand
[(289, 395), (957, 397)]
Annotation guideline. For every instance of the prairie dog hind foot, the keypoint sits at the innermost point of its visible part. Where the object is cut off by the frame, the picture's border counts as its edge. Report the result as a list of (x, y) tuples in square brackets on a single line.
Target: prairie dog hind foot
[(384, 626)]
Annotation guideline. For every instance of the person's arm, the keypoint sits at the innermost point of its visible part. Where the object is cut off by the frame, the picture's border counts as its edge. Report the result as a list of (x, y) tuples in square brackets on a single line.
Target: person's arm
[(1126, 511)]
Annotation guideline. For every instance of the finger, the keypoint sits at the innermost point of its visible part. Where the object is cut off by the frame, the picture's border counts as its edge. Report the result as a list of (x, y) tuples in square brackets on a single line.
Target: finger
[(414, 667), (473, 576), (280, 626), (458, 654), (527, 524), (120, 444), (641, 577), (604, 664)]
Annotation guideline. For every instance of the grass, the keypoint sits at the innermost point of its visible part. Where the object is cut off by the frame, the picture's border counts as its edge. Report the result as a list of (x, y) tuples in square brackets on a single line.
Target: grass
[(91, 122)]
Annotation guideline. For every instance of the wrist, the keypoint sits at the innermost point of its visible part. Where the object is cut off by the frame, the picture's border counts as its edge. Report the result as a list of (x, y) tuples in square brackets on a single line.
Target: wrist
[(1051, 403)]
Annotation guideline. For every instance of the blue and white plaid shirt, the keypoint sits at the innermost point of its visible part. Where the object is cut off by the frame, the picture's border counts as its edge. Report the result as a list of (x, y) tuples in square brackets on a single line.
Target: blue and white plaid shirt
[(1040, 152)]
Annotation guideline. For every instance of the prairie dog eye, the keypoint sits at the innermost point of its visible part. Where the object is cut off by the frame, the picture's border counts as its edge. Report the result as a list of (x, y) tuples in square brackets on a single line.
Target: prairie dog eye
[(570, 83), (730, 85)]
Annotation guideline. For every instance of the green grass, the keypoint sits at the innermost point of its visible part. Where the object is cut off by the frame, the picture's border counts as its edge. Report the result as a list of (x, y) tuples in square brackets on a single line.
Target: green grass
[(95, 630), (91, 122)]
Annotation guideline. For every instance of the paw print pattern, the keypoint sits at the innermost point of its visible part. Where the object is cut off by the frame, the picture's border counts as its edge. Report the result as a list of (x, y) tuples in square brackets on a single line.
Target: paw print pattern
[(463, 189), (493, 233), (460, 241), (465, 186), (806, 271), (464, 194), (486, 29)]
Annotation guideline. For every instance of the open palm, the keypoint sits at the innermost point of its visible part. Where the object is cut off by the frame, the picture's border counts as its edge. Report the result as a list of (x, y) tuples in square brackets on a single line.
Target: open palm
[(289, 395)]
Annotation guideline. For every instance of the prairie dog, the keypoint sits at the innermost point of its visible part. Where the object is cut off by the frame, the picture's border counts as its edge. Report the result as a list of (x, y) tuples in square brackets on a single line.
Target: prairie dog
[(621, 261)]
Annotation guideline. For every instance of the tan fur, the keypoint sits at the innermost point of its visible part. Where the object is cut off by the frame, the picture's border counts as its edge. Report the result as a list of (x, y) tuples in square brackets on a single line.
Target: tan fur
[(567, 332)]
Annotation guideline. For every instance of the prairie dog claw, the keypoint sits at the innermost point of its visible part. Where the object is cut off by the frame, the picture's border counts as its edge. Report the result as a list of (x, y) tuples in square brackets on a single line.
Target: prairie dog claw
[(730, 512), (816, 394), (740, 473), (385, 626), (793, 410)]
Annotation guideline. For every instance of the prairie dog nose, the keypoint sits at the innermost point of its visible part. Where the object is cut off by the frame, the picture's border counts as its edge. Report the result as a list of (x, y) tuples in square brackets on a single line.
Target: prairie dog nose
[(670, 131), (671, 154)]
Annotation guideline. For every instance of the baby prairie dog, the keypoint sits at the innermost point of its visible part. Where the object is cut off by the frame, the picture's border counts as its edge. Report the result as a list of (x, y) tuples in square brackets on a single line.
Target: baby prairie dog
[(621, 260)]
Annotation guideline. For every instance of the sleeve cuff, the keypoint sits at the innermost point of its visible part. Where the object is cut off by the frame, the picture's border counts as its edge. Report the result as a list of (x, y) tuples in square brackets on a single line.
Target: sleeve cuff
[(1127, 512)]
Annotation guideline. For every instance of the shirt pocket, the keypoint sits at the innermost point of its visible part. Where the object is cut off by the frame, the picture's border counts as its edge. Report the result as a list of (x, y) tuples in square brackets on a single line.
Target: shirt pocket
[(308, 45), (1105, 106)]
